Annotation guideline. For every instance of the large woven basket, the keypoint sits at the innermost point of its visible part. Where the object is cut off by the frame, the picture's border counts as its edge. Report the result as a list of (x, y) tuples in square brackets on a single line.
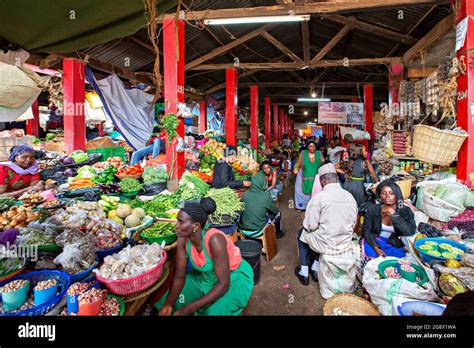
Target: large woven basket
[(350, 304), (436, 146), (405, 187)]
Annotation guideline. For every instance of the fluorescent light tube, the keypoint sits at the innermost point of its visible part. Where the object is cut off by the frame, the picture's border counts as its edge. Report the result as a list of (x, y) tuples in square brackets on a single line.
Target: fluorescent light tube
[(314, 100), (263, 19)]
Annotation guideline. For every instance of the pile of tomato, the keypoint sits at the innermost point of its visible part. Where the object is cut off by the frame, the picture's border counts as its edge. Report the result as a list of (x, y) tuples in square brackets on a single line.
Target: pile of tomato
[(130, 170)]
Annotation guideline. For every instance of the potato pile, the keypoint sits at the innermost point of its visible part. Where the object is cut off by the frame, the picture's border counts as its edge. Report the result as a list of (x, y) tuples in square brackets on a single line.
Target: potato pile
[(17, 216)]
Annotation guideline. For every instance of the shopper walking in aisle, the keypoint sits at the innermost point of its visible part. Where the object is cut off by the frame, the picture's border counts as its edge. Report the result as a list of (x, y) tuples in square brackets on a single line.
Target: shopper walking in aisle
[(305, 170), (220, 282), (327, 227)]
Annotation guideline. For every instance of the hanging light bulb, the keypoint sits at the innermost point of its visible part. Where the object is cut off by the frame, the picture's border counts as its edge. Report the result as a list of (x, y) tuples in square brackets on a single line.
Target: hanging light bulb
[(313, 94), (306, 113)]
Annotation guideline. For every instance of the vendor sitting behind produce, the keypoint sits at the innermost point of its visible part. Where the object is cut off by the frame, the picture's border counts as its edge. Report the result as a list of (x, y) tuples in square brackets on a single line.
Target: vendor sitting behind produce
[(20, 173), (224, 176), (385, 223), (153, 145), (220, 282), (260, 209)]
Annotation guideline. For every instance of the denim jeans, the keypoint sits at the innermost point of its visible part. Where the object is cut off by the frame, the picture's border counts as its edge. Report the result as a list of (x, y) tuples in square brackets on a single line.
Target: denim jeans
[(305, 251), (138, 155)]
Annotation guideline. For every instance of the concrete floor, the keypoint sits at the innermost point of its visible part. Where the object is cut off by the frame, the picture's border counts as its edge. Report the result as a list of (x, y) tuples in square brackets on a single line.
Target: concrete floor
[(269, 296)]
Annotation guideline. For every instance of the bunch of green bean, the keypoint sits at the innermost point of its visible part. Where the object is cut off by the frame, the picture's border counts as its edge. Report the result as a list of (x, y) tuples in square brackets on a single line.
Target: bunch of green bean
[(227, 203)]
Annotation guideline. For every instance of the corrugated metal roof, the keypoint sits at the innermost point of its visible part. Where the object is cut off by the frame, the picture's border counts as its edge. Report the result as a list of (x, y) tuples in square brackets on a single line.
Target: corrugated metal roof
[(356, 44)]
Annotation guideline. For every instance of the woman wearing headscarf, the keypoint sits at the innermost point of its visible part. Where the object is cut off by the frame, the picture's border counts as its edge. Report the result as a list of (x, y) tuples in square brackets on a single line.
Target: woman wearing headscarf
[(385, 223), (20, 173), (220, 282), (306, 169), (260, 209)]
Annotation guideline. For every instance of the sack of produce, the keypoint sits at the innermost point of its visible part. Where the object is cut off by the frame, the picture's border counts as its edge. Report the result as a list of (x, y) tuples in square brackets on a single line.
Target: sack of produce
[(382, 291), (337, 274), (78, 251), (437, 208)]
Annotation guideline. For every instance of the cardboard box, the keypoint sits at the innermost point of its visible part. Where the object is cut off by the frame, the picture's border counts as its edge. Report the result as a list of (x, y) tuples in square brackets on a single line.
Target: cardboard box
[(100, 143)]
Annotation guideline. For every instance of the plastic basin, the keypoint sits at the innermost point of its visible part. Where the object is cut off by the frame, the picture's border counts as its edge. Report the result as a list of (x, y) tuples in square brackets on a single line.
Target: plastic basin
[(430, 258), (421, 308)]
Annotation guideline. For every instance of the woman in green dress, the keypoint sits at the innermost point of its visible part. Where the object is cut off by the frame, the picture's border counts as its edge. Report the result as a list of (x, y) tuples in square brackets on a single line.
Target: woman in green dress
[(306, 169), (220, 282)]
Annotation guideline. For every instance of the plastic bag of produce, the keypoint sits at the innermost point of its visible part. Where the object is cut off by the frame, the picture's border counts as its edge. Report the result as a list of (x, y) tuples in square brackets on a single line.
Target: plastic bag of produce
[(469, 200), (435, 207), (382, 291), (155, 189), (455, 194)]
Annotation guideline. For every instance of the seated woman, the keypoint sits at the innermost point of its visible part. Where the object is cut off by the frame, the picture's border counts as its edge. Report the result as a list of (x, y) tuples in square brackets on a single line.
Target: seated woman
[(260, 209), (20, 173), (274, 186), (385, 223), (220, 282)]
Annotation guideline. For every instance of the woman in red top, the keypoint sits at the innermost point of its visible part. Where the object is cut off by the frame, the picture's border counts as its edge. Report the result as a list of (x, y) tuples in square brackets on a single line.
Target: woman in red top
[(220, 282), (20, 173)]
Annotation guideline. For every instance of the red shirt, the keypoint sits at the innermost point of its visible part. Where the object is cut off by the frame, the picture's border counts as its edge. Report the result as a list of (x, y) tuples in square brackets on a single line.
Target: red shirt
[(12, 181)]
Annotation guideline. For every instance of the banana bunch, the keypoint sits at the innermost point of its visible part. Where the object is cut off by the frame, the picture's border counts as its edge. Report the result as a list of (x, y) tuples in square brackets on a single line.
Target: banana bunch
[(109, 203)]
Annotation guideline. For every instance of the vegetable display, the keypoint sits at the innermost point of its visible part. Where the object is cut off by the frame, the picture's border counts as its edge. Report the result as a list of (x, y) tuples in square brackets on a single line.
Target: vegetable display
[(107, 234), (191, 187), (80, 183), (159, 205), (79, 156), (106, 177), (16, 216), (115, 162), (10, 264), (154, 175), (130, 185), (109, 203), (169, 123), (109, 189), (213, 148), (130, 170), (227, 204), (160, 229)]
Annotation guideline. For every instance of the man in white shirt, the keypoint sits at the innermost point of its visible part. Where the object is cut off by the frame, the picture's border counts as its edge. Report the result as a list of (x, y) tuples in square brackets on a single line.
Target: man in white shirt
[(328, 224)]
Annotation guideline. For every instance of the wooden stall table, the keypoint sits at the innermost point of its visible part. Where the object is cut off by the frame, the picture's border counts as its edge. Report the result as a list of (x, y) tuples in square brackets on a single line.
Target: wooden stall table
[(134, 304)]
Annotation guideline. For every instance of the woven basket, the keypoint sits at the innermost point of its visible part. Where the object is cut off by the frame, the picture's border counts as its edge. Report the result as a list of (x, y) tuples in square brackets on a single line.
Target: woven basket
[(350, 304), (135, 284), (405, 187), (436, 146)]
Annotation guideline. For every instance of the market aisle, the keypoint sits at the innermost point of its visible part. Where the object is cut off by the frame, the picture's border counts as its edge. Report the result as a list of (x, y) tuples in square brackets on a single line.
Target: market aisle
[(269, 297)]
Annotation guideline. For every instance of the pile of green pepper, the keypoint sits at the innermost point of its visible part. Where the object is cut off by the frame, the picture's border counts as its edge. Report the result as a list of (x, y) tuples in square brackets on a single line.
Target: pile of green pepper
[(106, 177)]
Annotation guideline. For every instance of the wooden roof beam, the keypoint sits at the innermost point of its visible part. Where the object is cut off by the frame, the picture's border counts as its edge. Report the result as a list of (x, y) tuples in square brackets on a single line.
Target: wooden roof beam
[(331, 84), (223, 49), (300, 66), (320, 8), (372, 29), (330, 45), (305, 35), (435, 34), (281, 47)]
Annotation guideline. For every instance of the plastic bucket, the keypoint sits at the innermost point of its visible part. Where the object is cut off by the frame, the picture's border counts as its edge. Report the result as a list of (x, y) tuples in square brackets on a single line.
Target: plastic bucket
[(410, 276), (251, 252), (92, 308), (14, 300), (72, 303), (43, 296)]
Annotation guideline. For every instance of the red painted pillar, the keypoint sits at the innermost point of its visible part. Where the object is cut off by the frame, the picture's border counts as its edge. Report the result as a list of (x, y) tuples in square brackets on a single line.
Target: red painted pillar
[(74, 97), (368, 109), (231, 107), (173, 64), (32, 126), (275, 122), (465, 112), (267, 123), (254, 117), (280, 126), (202, 116)]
